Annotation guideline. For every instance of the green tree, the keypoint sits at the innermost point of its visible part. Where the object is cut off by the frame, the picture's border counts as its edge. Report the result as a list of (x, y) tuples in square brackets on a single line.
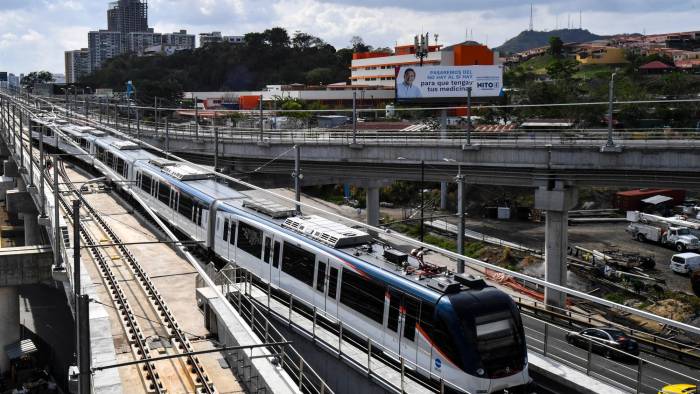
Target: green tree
[(320, 75), (561, 69), (358, 44), (556, 46), (35, 77)]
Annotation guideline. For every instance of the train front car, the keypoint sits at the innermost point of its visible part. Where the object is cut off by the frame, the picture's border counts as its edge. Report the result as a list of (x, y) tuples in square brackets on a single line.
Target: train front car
[(489, 341)]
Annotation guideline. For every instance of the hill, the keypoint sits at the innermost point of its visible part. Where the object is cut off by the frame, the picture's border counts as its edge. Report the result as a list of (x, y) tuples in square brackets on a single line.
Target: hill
[(534, 39)]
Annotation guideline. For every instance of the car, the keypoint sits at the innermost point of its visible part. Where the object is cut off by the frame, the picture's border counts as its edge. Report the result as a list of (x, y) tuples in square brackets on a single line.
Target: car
[(604, 340), (685, 263), (679, 389)]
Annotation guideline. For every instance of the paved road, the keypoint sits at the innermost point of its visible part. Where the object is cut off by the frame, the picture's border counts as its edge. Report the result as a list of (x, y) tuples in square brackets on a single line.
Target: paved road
[(656, 372)]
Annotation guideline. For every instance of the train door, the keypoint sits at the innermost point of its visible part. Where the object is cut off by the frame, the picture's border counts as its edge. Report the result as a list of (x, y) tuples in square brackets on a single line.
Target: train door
[(393, 320), (266, 268), (410, 312), (275, 265), (225, 224), (332, 290), (174, 201), (321, 282)]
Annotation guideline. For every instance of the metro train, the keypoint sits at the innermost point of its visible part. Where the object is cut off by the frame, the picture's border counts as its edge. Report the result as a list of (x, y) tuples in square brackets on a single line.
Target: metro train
[(455, 326)]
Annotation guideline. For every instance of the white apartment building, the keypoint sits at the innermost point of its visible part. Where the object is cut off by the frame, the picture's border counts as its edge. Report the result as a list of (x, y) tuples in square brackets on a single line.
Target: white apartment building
[(180, 40), (103, 45), (137, 42), (77, 64), (216, 36)]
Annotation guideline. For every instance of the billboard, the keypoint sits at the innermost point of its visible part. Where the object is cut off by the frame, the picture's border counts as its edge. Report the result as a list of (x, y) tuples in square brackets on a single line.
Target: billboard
[(447, 83)]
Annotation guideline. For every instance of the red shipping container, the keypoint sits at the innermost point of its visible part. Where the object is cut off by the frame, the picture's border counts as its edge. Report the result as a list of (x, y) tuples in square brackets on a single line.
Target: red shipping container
[(631, 200)]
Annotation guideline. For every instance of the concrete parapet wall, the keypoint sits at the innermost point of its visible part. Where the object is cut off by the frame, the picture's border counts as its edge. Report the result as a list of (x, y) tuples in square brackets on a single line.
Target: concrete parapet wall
[(580, 162), (257, 373), (26, 265)]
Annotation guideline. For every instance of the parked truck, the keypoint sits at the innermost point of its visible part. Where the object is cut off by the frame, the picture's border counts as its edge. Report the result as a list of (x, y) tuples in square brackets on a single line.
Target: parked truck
[(670, 232)]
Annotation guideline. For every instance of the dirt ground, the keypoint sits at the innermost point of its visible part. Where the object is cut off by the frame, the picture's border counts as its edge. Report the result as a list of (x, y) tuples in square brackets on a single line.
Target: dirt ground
[(600, 236)]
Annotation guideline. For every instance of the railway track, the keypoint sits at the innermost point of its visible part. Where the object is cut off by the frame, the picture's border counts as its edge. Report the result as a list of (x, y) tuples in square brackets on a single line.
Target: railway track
[(143, 312)]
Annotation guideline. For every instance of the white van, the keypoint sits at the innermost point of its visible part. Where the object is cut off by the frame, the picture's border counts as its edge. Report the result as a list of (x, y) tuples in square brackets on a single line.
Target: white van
[(685, 263)]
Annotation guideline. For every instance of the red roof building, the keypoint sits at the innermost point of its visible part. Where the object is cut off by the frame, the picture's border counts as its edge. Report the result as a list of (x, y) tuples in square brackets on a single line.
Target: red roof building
[(656, 67)]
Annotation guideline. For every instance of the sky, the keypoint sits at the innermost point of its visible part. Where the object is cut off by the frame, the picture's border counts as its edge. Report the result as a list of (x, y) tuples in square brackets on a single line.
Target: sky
[(35, 33)]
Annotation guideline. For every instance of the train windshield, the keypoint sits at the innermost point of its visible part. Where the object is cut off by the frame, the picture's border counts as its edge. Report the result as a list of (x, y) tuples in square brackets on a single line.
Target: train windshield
[(499, 343)]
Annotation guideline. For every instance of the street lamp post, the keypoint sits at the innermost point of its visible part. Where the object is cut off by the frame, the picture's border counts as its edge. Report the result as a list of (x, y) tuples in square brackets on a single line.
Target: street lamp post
[(422, 200), (610, 142)]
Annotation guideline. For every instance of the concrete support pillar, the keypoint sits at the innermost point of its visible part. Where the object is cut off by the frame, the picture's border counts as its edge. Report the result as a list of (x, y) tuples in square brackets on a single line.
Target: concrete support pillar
[(373, 206), (556, 199), (9, 323), (443, 196), (32, 230)]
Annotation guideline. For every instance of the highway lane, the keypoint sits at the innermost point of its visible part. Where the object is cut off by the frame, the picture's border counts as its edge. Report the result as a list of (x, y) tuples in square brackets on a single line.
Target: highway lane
[(656, 372)]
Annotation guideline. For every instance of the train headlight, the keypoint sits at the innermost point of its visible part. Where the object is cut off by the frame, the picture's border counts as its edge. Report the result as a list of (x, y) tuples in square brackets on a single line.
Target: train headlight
[(480, 372)]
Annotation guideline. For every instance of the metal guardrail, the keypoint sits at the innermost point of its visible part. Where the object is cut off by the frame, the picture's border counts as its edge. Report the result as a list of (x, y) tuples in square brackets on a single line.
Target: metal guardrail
[(137, 127), (240, 283), (630, 377), (683, 353)]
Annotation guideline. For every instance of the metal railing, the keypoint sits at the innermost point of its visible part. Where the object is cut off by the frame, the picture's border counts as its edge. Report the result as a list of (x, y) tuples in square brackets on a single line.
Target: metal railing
[(637, 375), (240, 284), (306, 134)]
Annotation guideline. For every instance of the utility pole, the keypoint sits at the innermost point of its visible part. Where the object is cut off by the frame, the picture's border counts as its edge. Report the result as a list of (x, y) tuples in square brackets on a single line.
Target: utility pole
[(196, 118), (167, 135), (261, 119), (422, 200), (42, 171), (469, 115), (610, 142), (216, 148), (421, 45), (354, 117), (460, 225), (156, 115), (297, 176), (56, 215)]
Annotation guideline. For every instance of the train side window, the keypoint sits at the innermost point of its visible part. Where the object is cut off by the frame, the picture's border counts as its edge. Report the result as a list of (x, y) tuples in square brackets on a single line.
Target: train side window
[(394, 310), (276, 255), (164, 193), (120, 166), (268, 247), (412, 307), (110, 159), (321, 277), (100, 154), (332, 282), (298, 263), (232, 238), (427, 319), (443, 341), (146, 183), (362, 295), (126, 171), (226, 224), (200, 214), (184, 207), (250, 239)]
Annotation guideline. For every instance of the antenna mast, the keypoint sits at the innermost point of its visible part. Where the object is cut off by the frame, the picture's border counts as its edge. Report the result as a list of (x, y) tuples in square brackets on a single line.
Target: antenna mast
[(531, 27)]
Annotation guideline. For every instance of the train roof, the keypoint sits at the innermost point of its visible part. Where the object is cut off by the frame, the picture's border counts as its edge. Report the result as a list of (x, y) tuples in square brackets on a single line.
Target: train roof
[(369, 256)]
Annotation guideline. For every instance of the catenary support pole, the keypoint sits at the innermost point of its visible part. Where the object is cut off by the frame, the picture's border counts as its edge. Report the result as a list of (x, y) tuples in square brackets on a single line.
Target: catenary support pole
[(297, 176), (460, 223), (56, 216), (469, 115)]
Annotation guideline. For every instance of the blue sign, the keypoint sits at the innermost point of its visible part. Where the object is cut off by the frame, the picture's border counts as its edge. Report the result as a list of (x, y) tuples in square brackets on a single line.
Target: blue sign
[(129, 89), (438, 363)]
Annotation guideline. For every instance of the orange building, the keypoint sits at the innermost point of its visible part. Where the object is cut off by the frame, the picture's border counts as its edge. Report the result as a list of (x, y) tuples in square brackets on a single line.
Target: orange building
[(379, 69)]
